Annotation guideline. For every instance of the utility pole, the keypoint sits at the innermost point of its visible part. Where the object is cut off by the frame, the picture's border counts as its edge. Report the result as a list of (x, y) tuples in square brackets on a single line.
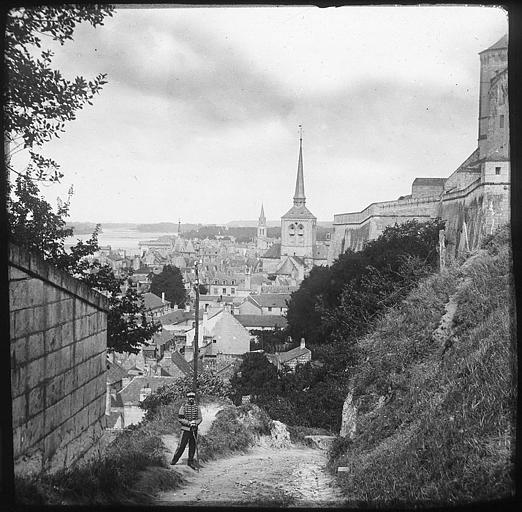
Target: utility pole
[(196, 331)]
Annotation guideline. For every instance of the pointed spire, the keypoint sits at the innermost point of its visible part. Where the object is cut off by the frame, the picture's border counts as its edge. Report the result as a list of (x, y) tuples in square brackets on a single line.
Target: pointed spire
[(299, 195), (262, 218), (179, 226)]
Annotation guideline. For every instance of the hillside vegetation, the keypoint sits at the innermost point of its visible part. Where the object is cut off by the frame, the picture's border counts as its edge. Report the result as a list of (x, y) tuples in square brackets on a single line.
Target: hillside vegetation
[(435, 387)]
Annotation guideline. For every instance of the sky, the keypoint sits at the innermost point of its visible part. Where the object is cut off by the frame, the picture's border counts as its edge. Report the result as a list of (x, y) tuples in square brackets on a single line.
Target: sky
[(199, 120)]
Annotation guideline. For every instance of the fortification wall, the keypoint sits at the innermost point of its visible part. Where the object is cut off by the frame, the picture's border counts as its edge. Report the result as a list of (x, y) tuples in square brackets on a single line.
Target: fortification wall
[(473, 213), (351, 230), (58, 336)]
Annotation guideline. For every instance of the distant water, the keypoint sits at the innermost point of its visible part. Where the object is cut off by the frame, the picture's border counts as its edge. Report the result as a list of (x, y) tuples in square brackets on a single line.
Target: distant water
[(120, 238)]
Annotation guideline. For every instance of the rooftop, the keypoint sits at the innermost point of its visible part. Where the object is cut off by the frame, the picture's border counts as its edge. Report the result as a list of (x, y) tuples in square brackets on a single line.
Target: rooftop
[(298, 212), (265, 300), (250, 321)]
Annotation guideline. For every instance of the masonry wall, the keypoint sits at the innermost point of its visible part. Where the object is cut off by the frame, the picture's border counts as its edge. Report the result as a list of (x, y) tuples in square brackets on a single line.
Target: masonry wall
[(58, 337)]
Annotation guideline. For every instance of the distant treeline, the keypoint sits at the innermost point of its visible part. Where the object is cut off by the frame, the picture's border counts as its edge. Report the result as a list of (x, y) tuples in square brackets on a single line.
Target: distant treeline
[(168, 227), (82, 228), (241, 234)]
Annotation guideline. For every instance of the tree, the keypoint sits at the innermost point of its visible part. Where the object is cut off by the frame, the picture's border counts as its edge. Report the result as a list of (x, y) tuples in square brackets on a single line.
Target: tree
[(170, 281), (340, 302), (37, 103), (255, 376)]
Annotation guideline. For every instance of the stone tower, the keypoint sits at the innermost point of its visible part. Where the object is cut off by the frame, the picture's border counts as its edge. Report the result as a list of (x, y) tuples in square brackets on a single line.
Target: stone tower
[(298, 225), (262, 237), (493, 62)]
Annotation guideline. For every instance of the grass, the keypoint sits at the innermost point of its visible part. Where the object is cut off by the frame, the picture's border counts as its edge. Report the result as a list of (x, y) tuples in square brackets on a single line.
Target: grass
[(235, 429), (121, 476), (444, 432)]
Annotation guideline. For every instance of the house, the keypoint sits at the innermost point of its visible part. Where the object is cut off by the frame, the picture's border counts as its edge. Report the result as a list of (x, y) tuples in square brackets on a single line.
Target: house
[(135, 392), (155, 305), (116, 376), (219, 334), (175, 364), (291, 358), (225, 285), (262, 322), (265, 304)]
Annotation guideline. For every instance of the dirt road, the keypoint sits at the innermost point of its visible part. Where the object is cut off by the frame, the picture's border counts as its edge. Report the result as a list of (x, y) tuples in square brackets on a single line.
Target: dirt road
[(265, 476)]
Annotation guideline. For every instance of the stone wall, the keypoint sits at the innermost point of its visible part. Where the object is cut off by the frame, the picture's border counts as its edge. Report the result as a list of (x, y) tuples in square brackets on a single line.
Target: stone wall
[(58, 336)]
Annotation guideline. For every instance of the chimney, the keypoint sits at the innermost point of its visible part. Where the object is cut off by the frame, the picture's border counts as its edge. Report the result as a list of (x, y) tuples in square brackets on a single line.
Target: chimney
[(175, 307), (187, 308), (302, 343), (163, 297)]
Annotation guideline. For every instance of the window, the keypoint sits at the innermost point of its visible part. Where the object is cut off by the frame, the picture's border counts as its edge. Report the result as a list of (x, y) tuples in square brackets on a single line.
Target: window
[(232, 291), (501, 120), (497, 170), (269, 308), (224, 290), (291, 230)]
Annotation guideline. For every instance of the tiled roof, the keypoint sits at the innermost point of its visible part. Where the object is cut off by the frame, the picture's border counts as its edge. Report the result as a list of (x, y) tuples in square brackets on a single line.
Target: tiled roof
[(160, 338), (284, 357), (116, 400), (174, 317), (250, 321), (274, 300), (298, 212), (130, 394), (152, 301), (429, 181), (274, 251), (112, 419), (115, 372), (181, 363), (501, 43)]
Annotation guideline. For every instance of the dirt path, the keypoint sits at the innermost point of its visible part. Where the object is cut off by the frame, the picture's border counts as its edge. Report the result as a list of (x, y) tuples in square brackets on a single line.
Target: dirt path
[(265, 476)]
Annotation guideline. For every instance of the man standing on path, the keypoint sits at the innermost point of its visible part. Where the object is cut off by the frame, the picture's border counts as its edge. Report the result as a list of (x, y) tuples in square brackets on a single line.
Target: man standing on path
[(190, 417)]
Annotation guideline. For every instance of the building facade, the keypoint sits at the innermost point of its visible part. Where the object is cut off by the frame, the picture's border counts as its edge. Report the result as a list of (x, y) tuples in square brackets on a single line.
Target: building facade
[(474, 200)]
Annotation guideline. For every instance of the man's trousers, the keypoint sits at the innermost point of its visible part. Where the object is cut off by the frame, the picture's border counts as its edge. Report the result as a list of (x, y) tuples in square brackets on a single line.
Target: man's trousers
[(189, 437)]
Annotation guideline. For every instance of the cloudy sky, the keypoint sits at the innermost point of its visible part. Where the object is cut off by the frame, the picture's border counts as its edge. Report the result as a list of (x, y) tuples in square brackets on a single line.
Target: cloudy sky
[(200, 117)]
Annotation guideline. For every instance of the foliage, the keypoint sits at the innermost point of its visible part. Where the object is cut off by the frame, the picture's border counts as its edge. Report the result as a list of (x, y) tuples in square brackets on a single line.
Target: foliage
[(169, 281), (234, 429), (255, 376), (35, 226), (267, 340), (208, 383), (38, 101), (444, 430), (341, 302), (111, 478)]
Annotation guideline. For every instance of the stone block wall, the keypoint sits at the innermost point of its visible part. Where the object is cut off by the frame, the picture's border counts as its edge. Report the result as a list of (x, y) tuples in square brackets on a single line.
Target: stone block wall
[(58, 337)]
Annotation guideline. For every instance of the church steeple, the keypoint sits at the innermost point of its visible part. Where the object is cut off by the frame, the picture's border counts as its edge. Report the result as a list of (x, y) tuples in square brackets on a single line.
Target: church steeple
[(299, 195), (262, 218)]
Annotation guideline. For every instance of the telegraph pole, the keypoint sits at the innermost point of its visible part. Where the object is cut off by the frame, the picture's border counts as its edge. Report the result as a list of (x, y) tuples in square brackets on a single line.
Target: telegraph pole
[(196, 331)]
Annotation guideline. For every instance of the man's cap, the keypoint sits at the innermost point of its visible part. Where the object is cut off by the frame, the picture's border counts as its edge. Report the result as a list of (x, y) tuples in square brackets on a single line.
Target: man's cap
[(191, 394)]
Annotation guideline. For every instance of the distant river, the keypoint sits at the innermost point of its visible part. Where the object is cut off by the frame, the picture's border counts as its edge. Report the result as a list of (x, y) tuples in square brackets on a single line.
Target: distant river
[(120, 238)]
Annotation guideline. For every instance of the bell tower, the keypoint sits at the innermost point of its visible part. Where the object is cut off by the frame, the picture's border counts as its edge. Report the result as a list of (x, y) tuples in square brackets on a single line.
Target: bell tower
[(298, 225)]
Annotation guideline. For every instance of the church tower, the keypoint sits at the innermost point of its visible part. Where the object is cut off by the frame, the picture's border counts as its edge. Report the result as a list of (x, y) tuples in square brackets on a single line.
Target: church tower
[(262, 237), (298, 225)]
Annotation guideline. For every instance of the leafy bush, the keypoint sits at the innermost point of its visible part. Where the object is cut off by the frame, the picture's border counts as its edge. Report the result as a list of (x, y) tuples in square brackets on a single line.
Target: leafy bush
[(209, 384)]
